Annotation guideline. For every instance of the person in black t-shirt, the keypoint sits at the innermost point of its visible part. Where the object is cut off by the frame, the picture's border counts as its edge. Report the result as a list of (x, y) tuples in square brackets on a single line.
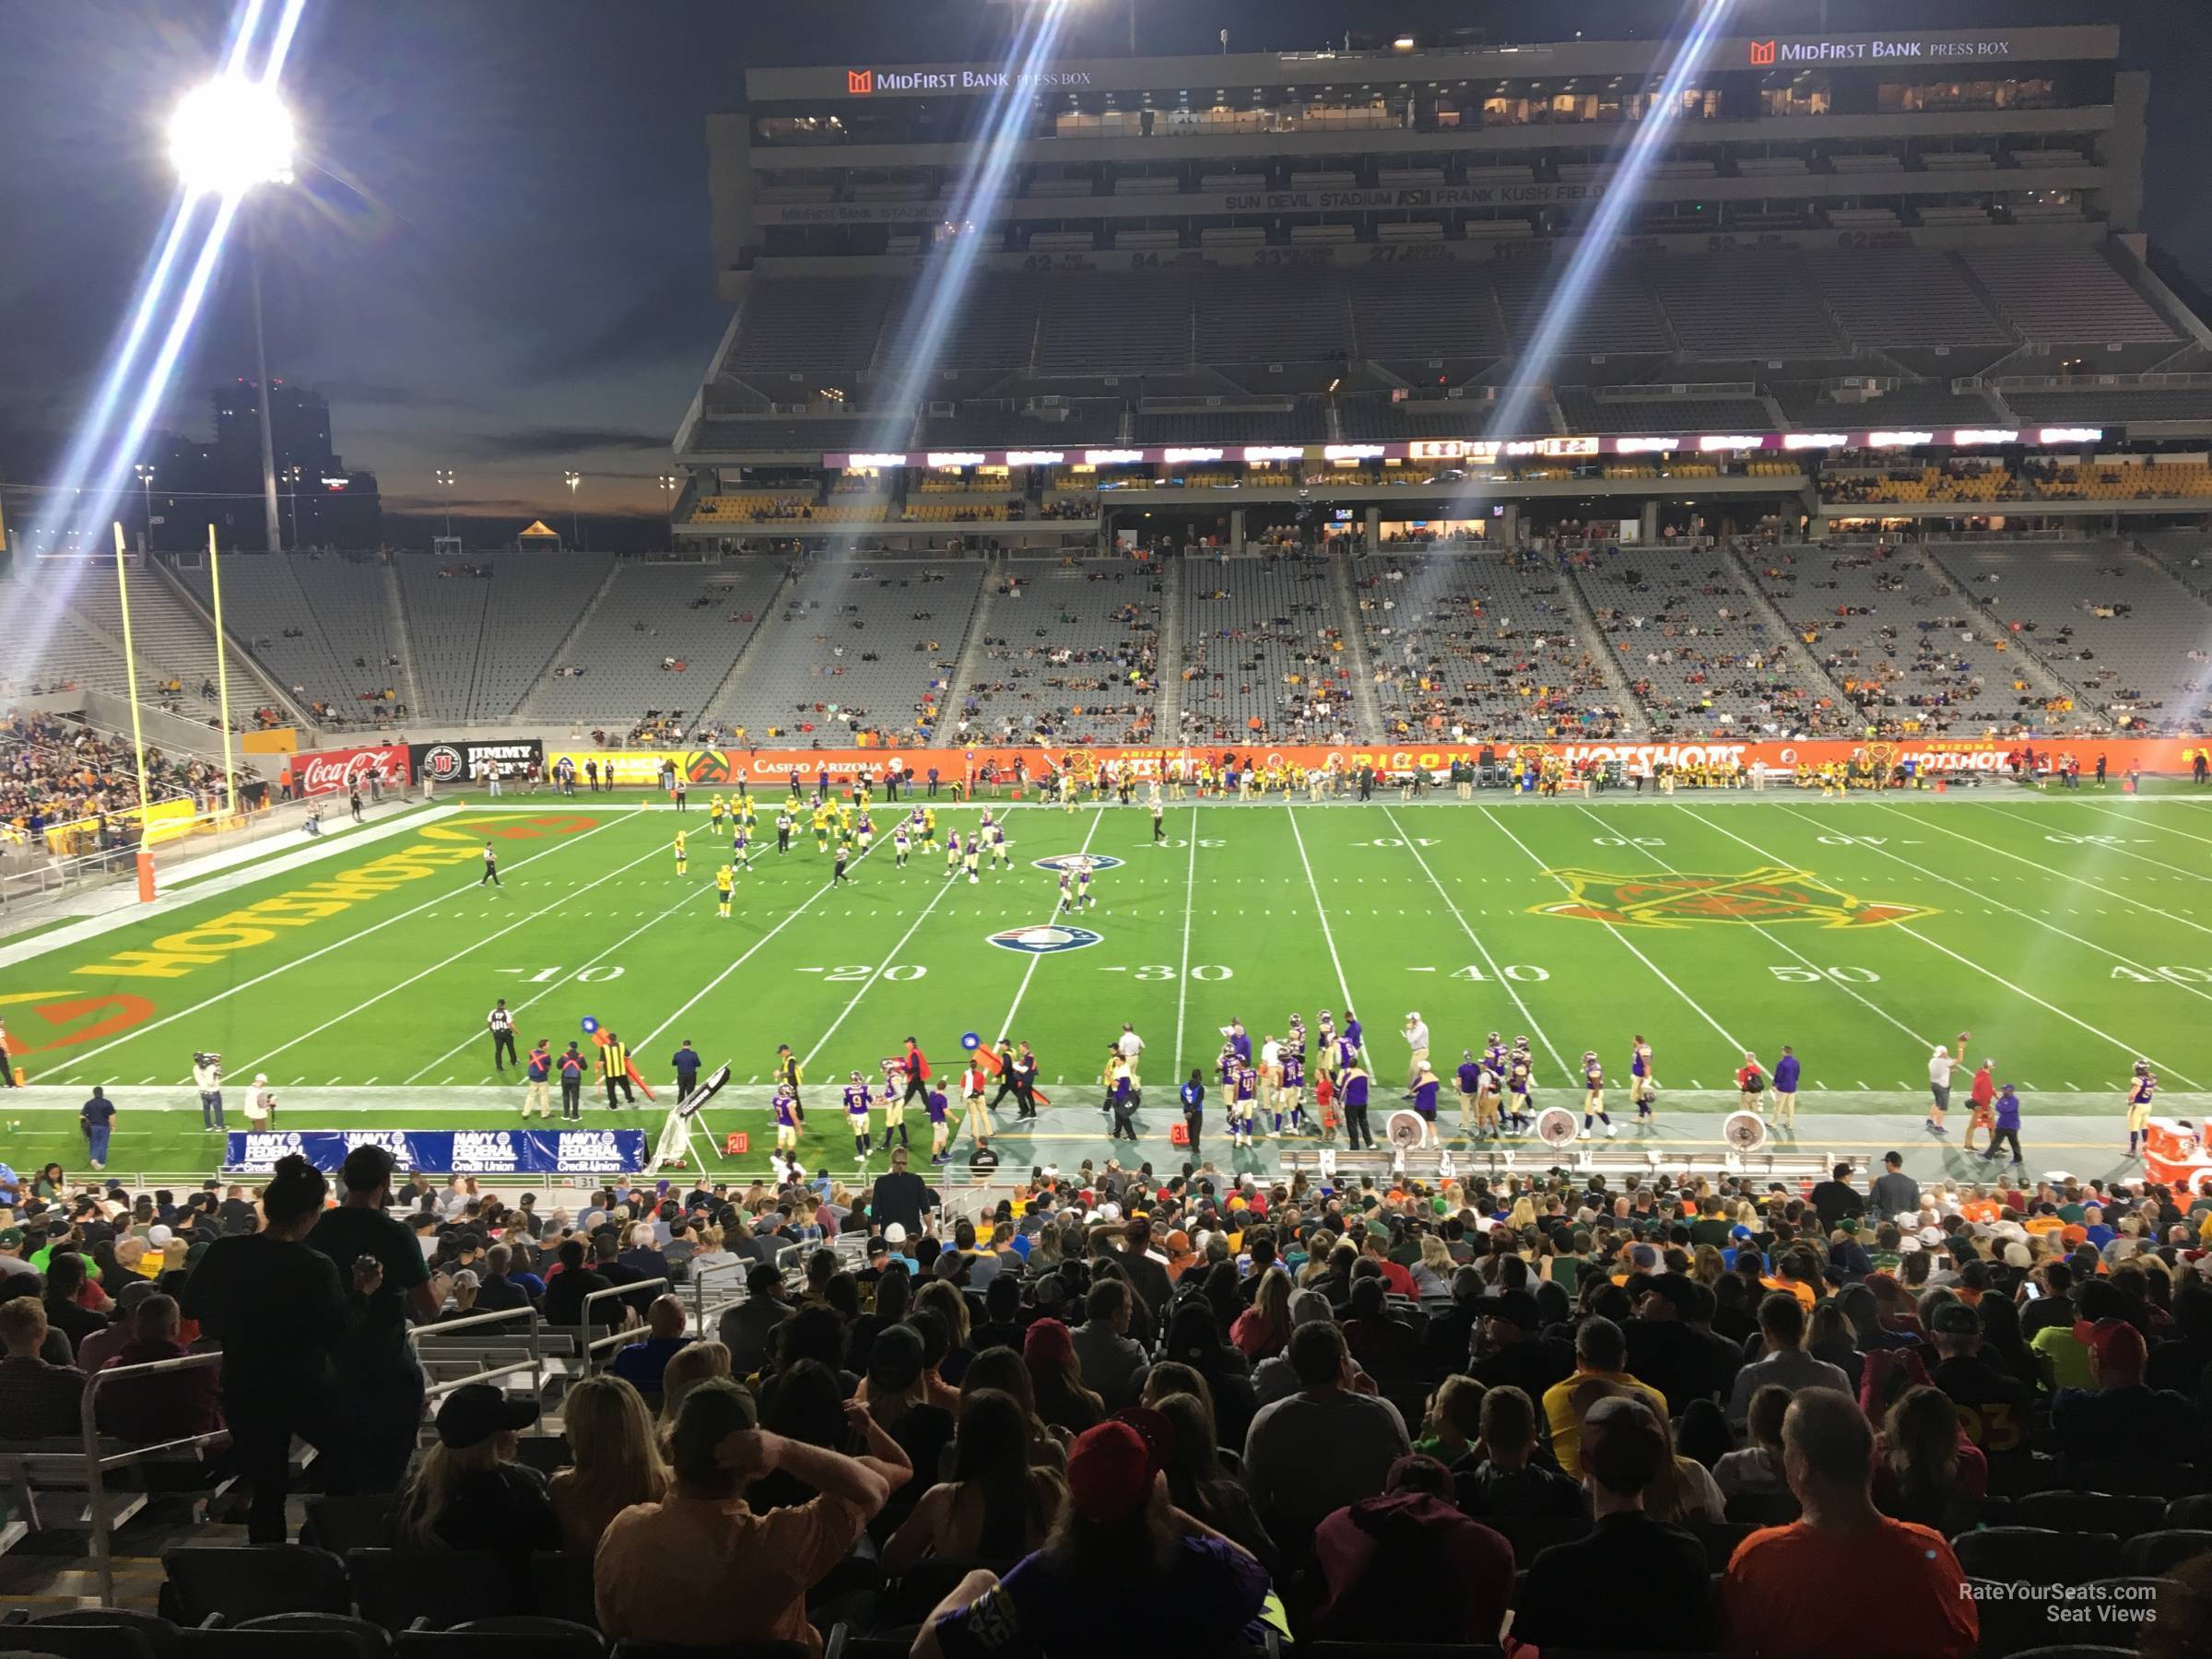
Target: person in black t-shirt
[(380, 1381), (565, 1290), (1504, 1480), (281, 1311), (1634, 1585), (900, 1196)]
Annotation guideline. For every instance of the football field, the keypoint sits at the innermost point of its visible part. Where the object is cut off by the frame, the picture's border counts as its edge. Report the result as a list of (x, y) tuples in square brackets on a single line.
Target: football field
[(2071, 933)]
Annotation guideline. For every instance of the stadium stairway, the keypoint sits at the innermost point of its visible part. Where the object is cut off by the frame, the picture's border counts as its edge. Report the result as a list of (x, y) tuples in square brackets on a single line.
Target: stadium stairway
[(972, 649), (813, 578), (172, 637), (1168, 721), (564, 652), (1585, 627), (1365, 703), (397, 615), (2039, 674), (1809, 669)]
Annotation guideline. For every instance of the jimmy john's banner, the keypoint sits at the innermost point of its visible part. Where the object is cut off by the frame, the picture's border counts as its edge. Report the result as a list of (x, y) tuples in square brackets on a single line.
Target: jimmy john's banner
[(448, 763), (722, 770)]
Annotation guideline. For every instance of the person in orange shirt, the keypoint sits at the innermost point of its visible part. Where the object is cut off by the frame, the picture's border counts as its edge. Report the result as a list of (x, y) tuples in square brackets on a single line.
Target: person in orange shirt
[(1842, 1544), (1984, 1113)]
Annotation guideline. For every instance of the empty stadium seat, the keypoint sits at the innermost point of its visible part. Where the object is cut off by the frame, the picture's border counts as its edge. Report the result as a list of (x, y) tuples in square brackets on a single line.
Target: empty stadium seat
[(2154, 1554), (396, 1588), (293, 1636), (519, 1636), (240, 1583), (2039, 1556), (92, 1633), (2126, 1515)]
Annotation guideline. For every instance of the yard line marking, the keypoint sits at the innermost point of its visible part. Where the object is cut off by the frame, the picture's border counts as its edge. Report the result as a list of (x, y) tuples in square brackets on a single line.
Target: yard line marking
[(526, 1001), (2108, 847), (2143, 823), (1321, 909), (1183, 982), (1007, 1025), (2127, 1048), (712, 984), (370, 1001), (1474, 939), (1633, 949), (1804, 961), (2009, 909), (138, 1031), (2166, 911)]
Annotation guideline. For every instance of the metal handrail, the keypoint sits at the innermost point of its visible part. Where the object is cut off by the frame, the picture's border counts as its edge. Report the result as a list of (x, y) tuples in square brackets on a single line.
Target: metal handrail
[(536, 1364), (97, 1463), (592, 1345)]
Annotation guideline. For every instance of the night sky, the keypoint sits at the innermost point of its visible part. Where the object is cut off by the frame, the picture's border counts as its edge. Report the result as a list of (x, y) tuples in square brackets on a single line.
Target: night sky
[(495, 257)]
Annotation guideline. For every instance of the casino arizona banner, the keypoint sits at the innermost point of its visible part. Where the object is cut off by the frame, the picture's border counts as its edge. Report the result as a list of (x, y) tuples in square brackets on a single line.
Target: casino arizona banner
[(709, 769), (457, 1152)]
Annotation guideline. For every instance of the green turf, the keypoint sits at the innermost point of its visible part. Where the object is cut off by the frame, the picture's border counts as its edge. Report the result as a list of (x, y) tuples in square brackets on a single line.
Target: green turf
[(2069, 932)]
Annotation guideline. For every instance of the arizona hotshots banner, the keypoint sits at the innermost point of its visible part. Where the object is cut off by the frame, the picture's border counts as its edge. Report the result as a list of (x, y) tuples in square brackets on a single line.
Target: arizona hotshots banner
[(334, 772), (772, 769), (458, 1152)]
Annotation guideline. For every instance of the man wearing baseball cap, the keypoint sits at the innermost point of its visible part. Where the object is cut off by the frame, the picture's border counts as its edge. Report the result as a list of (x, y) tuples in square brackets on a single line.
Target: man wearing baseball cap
[(1121, 1545), (701, 1568)]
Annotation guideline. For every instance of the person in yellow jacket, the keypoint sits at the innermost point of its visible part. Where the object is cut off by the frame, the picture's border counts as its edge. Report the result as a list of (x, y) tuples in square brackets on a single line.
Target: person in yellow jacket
[(715, 811), (724, 879), (682, 857)]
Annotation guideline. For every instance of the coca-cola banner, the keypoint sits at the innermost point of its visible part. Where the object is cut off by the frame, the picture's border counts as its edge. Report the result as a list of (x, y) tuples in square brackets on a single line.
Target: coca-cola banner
[(334, 771)]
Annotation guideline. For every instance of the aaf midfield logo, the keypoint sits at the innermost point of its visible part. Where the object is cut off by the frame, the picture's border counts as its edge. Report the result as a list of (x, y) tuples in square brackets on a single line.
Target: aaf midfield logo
[(1066, 861), (1045, 939), (1758, 897), (1762, 53), (859, 83)]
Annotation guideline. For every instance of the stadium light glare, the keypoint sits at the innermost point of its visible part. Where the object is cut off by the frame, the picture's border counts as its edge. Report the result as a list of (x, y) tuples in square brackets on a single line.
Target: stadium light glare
[(230, 135), (1703, 22)]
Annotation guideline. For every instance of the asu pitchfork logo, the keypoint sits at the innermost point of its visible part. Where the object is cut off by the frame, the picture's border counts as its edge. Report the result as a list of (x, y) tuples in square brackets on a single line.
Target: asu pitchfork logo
[(1682, 898)]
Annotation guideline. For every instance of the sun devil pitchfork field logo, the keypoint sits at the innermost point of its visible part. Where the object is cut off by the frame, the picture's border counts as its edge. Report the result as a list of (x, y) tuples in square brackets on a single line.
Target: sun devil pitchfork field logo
[(1682, 898)]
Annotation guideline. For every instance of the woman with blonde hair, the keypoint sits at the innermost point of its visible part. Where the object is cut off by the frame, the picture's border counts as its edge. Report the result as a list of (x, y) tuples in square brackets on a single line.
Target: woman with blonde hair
[(1522, 1215), (1683, 1491), (616, 1460), (689, 1366), (1261, 1329), (1432, 1274)]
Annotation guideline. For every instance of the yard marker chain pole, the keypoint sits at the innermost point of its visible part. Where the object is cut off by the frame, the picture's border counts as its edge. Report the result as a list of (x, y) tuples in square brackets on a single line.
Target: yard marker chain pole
[(1497, 973)]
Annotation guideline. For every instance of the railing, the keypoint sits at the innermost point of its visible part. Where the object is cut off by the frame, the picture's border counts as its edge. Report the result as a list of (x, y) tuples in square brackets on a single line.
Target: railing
[(591, 1345), (98, 1464), (534, 1364)]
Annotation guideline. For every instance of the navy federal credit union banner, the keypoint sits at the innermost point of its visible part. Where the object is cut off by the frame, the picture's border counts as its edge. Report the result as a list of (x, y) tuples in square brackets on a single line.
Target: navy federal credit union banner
[(456, 1152)]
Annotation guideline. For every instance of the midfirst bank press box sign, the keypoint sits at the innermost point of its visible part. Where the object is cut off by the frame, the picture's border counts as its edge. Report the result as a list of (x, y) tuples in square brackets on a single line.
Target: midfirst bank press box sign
[(455, 1152)]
